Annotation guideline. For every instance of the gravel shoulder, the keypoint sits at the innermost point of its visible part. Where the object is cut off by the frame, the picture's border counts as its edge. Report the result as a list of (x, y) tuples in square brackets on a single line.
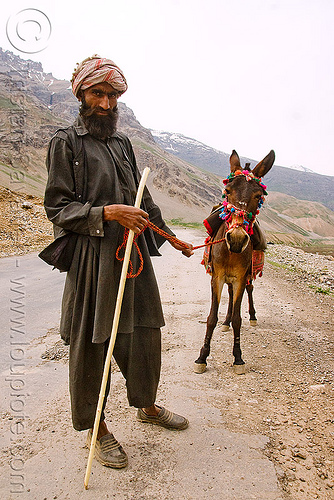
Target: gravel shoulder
[(268, 434)]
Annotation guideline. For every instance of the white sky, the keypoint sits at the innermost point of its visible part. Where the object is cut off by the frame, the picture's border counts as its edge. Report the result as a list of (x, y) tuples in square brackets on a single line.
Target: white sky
[(250, 75)]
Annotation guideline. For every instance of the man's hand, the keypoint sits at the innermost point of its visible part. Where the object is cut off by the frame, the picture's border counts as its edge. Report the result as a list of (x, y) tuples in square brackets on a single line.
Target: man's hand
[(188, 252), (126, 215)]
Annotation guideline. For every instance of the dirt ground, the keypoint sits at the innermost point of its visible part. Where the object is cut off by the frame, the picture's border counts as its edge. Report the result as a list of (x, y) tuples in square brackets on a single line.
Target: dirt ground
[(268, 434)]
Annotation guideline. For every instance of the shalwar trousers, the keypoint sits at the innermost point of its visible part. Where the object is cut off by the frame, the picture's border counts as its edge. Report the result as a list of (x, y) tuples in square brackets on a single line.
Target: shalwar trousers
[(138, 355)]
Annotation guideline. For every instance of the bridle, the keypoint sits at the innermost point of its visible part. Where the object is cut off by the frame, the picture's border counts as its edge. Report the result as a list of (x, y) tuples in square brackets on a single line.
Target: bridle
[(229, 210)]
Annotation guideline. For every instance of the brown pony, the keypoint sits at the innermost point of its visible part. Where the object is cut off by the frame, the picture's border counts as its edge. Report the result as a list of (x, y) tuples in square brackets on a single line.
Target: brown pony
[(231, 260)]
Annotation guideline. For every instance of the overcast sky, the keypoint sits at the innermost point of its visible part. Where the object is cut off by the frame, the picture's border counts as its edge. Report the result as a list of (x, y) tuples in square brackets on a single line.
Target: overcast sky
[(250, 75)]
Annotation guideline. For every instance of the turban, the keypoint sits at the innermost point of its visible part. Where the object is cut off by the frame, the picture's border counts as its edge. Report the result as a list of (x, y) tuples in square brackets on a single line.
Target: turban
[(95, 70)]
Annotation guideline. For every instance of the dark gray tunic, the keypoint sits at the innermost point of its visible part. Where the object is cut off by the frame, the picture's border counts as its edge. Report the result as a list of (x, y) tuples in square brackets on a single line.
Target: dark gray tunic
[(92, 282)]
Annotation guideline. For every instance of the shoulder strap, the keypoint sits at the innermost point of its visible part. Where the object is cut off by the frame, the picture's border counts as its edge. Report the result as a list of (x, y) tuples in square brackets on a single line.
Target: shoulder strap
[(126, 156), (79, 161)]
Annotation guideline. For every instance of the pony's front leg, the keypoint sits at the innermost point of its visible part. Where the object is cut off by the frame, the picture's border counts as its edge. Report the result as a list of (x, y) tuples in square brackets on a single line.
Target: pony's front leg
[(216, 290), (251, 308), (239, 364), (227, 322)]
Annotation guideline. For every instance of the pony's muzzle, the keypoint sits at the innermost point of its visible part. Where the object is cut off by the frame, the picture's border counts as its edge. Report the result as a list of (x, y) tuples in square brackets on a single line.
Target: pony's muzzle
[(236, 239)]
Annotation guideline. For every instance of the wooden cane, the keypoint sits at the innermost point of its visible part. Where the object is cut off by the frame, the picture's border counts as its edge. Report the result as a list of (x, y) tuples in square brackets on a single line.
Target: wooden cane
[(114, 330)]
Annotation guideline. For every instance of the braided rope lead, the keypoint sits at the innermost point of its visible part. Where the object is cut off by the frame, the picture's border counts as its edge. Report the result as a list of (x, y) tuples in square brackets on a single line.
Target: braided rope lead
[(167, 236), (130, 273)]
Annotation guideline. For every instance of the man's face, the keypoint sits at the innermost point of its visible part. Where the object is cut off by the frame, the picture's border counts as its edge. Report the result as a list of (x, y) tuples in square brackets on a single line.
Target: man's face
[(101, 98), (99, 110)]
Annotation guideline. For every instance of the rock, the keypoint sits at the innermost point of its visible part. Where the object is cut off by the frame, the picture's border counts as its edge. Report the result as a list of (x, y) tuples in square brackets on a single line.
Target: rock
[(317, 271), (318, 388), (280, 473), (299, 454), (27, 204), (290, 476)]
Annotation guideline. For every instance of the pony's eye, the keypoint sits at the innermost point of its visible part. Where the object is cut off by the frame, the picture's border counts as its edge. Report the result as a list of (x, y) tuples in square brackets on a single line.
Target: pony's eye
[(227, 191)]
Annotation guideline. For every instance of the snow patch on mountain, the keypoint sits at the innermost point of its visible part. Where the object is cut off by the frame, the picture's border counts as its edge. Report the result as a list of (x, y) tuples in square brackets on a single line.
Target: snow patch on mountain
[(172, 140), (300, 168)]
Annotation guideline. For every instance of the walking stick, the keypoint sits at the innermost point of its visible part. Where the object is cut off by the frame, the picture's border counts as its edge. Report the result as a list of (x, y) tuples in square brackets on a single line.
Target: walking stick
[(114, 330)]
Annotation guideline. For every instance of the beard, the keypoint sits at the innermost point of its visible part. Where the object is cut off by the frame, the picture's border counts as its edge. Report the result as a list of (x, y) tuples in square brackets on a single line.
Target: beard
[(100, 127)]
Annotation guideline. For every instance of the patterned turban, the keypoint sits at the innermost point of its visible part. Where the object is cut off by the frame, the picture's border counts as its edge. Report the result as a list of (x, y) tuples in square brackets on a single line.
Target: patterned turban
[(95, 70)]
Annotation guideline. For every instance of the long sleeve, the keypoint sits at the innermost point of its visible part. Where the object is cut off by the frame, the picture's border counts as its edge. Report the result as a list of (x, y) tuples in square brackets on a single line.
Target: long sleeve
[(61, 204)]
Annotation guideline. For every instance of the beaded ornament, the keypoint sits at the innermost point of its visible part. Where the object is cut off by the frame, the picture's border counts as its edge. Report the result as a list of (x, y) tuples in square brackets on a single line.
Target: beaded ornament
[(229, 210)]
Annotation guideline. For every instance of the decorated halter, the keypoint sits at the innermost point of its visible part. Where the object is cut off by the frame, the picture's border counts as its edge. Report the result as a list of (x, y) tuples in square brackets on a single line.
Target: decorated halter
[(229, 210)]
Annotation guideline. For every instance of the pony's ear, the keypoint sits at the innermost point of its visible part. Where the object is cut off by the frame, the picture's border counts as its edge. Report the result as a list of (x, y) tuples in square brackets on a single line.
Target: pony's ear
[(265, 165), (235, 161)]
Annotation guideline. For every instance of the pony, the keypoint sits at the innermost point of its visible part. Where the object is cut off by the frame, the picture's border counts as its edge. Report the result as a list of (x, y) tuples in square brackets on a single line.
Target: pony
[(232, 257)]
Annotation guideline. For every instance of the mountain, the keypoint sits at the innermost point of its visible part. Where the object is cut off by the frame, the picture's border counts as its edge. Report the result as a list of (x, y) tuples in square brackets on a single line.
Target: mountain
[(28, 76), (194, 152), (34, 104), (26, 122), (286, 219), (301, 183)]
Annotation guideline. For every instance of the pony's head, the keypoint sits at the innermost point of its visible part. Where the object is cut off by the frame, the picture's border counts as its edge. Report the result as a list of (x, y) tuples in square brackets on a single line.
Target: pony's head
[(244, 194)]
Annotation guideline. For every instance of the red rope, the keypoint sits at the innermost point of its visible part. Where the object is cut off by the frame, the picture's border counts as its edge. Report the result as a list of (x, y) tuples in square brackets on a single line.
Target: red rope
[(130, 273), (209, 243), (177, 241), (167, 236)]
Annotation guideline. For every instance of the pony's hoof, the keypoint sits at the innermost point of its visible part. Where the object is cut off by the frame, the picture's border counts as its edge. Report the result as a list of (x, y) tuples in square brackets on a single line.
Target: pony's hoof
[(225, 328), (253, 322), (239, 369), (199, 367)]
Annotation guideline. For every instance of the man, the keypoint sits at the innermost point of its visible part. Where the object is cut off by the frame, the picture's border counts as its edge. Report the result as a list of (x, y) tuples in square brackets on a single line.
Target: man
[(91, 188)]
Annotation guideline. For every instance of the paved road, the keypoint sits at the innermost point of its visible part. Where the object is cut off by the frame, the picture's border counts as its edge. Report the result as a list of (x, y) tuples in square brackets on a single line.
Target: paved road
[(30, 297), (30, 294)]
